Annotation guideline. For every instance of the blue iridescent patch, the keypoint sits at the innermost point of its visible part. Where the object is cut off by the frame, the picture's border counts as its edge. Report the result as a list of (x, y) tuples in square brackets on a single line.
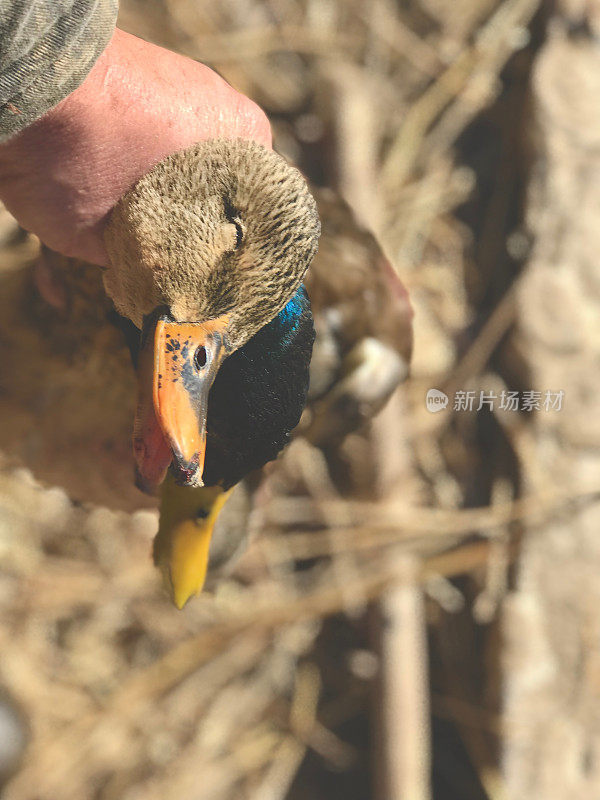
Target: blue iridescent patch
[(290, 314), (279, 335)]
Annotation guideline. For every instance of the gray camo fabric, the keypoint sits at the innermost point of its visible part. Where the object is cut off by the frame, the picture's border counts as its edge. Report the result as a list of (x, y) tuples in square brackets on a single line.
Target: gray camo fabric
[(47, 47)]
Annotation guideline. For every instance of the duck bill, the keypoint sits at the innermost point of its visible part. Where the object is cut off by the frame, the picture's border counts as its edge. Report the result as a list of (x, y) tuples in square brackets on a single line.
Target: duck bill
[(177, 366), (182, 544)]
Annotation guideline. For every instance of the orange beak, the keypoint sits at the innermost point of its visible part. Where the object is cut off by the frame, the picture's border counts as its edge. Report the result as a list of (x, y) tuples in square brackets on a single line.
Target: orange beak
[(177, 365)]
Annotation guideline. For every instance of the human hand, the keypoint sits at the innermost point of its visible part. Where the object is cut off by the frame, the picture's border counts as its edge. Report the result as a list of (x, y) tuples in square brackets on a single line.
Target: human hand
[(61, 176)]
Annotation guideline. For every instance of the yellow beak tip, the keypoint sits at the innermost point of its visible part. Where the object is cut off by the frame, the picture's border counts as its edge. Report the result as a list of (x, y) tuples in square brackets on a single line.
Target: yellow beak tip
[(186, 577), (181, 599), (182, 544), (189, 585)]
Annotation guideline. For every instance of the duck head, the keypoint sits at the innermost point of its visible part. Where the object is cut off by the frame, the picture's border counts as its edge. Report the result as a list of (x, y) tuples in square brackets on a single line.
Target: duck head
[(205, 251)]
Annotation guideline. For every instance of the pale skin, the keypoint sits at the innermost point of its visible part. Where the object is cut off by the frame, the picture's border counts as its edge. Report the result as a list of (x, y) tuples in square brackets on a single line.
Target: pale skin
[(62, 176)]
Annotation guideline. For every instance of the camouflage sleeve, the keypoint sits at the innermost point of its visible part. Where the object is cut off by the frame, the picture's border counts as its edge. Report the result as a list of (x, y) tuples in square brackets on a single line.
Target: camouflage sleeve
[(47, 47)]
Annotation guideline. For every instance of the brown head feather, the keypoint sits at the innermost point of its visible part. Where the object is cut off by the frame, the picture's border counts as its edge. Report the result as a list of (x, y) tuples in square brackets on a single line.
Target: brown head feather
[(224, 227)]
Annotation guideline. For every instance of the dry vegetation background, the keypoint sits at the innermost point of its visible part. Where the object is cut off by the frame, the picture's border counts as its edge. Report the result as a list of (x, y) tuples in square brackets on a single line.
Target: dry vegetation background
[(442, 638)]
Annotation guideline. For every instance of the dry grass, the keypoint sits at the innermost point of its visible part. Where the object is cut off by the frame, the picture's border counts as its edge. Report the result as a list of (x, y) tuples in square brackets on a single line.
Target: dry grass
[(266, 689)]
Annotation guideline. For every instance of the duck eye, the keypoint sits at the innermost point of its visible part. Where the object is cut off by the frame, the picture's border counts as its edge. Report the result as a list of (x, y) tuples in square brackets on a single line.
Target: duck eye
[(200, 357), (232, 216), (239, 233)]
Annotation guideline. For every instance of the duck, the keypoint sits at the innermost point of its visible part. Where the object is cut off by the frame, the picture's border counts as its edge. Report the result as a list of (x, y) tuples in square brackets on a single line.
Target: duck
[(248, 406), (207, 254)]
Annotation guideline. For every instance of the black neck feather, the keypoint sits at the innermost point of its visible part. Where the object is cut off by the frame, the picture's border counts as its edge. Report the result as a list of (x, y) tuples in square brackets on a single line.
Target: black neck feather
[(258, 395)]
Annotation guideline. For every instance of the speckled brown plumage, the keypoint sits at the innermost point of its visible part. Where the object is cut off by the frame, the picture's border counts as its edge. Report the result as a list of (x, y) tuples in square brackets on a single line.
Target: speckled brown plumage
[(225, 227), (353, 282)]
